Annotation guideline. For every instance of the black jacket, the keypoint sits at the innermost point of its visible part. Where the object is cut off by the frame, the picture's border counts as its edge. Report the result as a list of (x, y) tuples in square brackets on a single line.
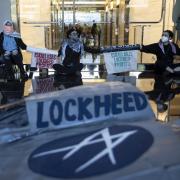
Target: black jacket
[(72, 58), (19, 42), (164, 56)]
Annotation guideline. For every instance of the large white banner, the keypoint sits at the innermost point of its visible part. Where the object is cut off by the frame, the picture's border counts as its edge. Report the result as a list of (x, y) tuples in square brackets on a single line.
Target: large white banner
[(121, 61), (87, 104)]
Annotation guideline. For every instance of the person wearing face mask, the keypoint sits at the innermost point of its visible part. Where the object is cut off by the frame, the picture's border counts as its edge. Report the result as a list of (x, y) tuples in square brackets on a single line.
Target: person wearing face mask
[(165, 50), (10, 45), (69, 54)]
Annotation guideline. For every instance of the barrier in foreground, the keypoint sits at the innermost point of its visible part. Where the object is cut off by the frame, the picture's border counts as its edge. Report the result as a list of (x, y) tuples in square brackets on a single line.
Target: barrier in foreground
[(87, 104)]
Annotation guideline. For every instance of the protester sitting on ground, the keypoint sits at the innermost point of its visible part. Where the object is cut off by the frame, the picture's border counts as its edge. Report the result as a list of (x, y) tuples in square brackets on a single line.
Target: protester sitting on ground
[(69, 54), (165, 50), (10, 48)]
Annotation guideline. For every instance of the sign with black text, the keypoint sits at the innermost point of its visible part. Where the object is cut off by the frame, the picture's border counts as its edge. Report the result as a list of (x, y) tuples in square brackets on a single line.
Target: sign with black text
[(121, 61)]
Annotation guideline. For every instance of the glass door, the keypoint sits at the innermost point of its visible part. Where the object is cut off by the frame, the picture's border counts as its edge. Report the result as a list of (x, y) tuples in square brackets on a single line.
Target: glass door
[(80, 14)]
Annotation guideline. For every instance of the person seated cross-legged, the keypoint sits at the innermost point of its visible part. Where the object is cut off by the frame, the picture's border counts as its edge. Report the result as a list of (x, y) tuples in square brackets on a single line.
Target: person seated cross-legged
[(69, 54), (10, 48), (165, 51)]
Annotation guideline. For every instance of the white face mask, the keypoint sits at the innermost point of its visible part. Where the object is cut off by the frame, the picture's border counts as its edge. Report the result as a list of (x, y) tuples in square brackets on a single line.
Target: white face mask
[(164, 39)]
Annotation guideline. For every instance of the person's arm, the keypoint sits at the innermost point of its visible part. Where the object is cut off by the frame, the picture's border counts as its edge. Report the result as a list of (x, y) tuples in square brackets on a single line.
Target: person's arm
[(60, 51), (21, 44), (1, 44), (151, 48), (82, 49)]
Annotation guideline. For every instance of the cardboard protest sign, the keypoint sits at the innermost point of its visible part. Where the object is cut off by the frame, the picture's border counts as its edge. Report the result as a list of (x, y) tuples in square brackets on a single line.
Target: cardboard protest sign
[(121, 61), (42, 85)]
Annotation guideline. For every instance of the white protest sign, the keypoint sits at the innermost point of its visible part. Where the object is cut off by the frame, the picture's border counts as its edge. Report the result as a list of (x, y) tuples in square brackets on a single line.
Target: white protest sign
[(87, 104), (42, 85), (42, 58), (121, 61)]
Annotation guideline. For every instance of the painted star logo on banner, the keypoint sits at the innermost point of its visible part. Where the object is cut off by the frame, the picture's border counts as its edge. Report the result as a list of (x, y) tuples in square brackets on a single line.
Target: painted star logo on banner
[(107, 138)]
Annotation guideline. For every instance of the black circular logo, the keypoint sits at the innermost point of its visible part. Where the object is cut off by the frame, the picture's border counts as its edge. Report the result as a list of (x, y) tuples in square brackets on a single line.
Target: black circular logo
[(92, 153)]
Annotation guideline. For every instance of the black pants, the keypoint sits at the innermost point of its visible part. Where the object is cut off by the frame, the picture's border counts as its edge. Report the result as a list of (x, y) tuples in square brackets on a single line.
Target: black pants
[(10, 61), (161, 68), (68, 70)]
